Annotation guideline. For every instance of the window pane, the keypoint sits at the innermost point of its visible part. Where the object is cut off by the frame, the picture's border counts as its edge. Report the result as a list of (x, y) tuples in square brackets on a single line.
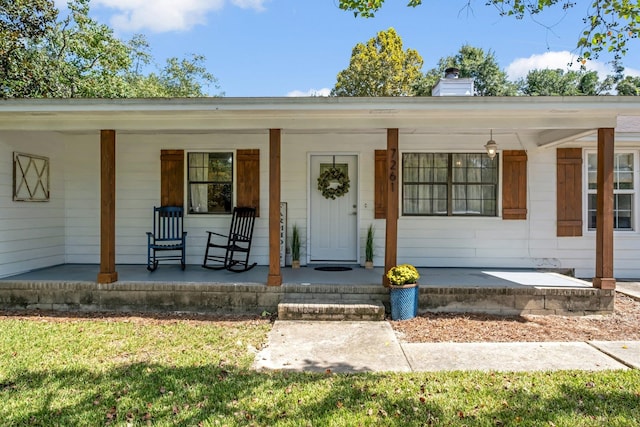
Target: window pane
[(459, 192), (410, 174), (441, 175), (459, 174), (220, 167), (410, 160), (489, 192), (591, 211), (440, 207), (467, 199), (219, 198), (592, 168), (623, 167), (622, 211), (490, 173), (474, 207), (623, 181), (410, 199), (489, 207), (197, 167), (441, 161), (210, 187), (459, 207), (474, 175), (198, 198), (624, 162)]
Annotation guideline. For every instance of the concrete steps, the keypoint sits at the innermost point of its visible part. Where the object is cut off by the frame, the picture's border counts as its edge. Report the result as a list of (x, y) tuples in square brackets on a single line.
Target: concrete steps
[(319, 309)]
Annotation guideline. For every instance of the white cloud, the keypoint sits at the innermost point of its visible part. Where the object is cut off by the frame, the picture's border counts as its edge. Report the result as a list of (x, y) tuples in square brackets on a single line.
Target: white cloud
[(311, 92), (249, 4), (167, 15), (563, 60), (631, 72)]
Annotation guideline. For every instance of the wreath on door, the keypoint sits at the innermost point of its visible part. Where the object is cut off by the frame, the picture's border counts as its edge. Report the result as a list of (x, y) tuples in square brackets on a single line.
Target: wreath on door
[(327, 183)]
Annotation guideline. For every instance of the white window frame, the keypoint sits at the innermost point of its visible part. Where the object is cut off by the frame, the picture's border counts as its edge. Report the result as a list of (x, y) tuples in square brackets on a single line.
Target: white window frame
[(634, 192)]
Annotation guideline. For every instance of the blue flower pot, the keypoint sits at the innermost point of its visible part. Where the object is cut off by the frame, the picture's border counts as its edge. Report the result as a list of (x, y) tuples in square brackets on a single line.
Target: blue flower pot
[(404, 301)]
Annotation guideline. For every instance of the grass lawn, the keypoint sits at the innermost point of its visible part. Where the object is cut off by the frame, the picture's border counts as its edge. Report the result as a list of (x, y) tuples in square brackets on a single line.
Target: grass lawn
[(167, 372)]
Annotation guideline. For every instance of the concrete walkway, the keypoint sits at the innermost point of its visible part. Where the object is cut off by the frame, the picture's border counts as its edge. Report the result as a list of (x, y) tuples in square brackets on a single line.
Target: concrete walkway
[(373, 347)]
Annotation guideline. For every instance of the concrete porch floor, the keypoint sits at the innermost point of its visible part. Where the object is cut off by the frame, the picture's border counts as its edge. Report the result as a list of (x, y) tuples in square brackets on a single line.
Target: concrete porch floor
[(486, 290), (436, 277)]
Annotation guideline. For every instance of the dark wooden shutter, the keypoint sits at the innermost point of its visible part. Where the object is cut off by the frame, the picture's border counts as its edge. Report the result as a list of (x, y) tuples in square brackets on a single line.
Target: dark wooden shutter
[(514, 184), (248, 175), (380, 184), (569, 192), (172, 177)]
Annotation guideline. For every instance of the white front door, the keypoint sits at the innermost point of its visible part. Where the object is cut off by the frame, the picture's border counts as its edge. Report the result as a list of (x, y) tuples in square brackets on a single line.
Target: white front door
[(333, 234)]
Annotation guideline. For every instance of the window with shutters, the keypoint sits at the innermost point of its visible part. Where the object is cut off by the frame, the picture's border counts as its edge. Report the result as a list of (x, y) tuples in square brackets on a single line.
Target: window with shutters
[(449, 184), (624, 185), (210, 183)]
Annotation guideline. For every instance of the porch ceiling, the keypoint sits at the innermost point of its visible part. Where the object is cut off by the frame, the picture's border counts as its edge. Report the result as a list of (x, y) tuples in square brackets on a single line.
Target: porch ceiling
[(542, 120)]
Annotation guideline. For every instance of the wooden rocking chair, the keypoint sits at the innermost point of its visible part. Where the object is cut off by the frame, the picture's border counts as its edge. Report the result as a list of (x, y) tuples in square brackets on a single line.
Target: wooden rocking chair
[(168, 236), (237, 246)]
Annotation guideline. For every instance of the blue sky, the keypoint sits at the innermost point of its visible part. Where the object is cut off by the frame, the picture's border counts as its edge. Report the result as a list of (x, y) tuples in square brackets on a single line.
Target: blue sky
[(297, 47)]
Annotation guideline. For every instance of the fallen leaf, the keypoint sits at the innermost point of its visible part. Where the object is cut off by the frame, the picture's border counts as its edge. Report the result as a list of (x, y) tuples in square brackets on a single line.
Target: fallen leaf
[(111, 413)]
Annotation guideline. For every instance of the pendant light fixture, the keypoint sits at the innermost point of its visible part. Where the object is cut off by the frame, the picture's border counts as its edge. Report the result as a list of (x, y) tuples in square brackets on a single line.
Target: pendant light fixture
[(491, 147)]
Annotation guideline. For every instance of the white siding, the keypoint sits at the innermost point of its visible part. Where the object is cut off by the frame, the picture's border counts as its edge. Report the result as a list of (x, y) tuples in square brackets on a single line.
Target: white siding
[(31, 233), (82, 182), (296, 182), (138, 191), (67, 229)]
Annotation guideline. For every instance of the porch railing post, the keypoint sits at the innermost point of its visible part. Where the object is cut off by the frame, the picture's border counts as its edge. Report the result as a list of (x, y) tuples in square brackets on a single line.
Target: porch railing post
[(275, 275), (391, 235), (604, 211), (107, 272)]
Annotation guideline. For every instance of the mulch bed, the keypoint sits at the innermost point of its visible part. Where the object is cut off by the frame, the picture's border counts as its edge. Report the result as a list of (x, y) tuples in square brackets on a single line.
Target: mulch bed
[(622, 325)]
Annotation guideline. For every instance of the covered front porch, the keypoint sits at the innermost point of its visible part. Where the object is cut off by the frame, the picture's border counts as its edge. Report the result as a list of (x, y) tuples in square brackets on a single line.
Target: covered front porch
[(197, 290), (112, 161)]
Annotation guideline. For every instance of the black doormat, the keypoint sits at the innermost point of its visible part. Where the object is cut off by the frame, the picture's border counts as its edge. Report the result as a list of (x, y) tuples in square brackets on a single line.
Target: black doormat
[(333, 268)]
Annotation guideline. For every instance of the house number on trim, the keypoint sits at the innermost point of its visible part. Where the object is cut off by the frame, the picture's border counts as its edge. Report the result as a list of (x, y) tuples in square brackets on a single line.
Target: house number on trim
[(393, 167)]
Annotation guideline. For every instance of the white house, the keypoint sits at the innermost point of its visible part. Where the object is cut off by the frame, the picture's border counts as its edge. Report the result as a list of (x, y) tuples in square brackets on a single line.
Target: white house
[(79, 179)]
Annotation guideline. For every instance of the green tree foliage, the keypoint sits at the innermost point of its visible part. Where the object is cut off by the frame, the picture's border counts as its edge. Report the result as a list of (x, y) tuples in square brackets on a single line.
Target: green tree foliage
[(629, 86), (178, 79), (22, 23), (473, 62), (548, 82), (86, 59), (75, 56), (380, 68), (609, 24)]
